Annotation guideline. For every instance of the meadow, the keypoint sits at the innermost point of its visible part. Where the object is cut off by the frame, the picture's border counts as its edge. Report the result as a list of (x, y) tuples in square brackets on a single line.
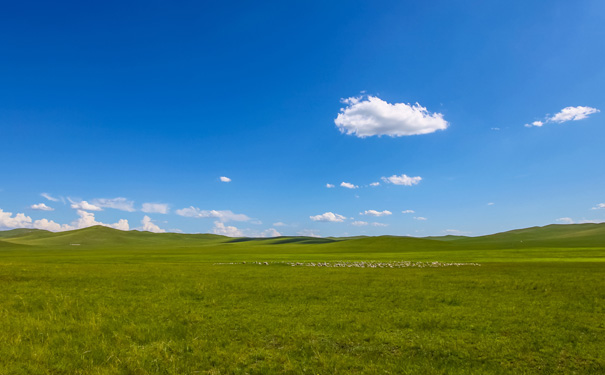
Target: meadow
[(101, 301)]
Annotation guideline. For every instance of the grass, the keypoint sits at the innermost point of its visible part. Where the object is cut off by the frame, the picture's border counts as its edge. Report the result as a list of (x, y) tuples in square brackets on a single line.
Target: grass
[(140, 303)]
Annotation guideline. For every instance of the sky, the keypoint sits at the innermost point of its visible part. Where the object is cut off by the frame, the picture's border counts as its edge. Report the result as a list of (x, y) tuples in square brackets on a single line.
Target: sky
[(317, 118)]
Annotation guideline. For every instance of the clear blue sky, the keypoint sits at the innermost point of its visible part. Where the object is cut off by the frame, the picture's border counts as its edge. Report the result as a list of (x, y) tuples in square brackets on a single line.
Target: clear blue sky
[(107, 106)]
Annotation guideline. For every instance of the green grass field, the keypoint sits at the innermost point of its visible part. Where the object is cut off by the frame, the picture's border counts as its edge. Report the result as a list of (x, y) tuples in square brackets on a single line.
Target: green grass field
[(101, 301)]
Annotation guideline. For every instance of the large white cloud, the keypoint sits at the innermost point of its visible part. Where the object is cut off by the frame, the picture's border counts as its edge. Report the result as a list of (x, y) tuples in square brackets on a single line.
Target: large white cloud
[(149, 226), (376, 213), (86, 219), (226, 230), (119, 203), (155, 208), (366, 116), (404, 180), (20, 220), (41, 207), (328, 217), (84, 205), (566, 114), (224, 216)]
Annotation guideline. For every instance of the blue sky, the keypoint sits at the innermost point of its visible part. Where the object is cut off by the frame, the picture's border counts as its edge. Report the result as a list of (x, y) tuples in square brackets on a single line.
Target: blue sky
[(128, 114)]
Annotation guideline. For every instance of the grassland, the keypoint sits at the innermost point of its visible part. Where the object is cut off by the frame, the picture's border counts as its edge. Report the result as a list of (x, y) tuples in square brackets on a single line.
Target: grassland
[(101, 301)]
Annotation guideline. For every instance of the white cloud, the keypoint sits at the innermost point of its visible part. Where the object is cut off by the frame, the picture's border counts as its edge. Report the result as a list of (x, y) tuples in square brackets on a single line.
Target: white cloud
[(369, 116), (360, 223), (565, 220), (408, 212), (87, 219), (404, 180), (376, 213), (329, 186), (279, 224), (7, 220), (149, 226), (348, 185), (41, 207), (328, 217), (47, 196), (374, 184), (271, 232), (119, 203), (50, 225), (225, 179), (490, 203), (224, 216), (83, 205), (155, 208), (566, 114), (379, 224), (309, 233), (419, 218), (599, 206), (226, 230)]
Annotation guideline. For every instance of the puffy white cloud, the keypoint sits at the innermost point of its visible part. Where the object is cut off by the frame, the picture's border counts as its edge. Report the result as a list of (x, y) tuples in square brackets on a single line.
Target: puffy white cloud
[(51, 225), (404, 180), (419, 218), (374, 184), (225, 179), (599, 206), (226, 230), (309, 233), (565, 220), (566, 114), (41, 207), (348, 185), (47, 196), (224, 216), (149, 226), (155, 208), (119, 203), (328, 217), (408, 212), (368, 116), (329, 186), (376, 213), (271, 232), (83, 205), (7, 220), (87, 219)]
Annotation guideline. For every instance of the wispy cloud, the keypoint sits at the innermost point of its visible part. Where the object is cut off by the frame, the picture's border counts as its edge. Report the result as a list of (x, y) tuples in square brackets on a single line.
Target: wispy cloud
[(565, 220), (329, 186), (376, 213), (599, 206), (366, 116), (49, 197), (408, 212), (224, 215), (420, 218), (565, 115), (119, 203), (159, 208)]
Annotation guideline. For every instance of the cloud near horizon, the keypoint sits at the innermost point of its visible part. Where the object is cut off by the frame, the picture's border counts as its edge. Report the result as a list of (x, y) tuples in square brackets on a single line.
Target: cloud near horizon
[(366, 116), (86, 219), (149, 226), (224, 215)]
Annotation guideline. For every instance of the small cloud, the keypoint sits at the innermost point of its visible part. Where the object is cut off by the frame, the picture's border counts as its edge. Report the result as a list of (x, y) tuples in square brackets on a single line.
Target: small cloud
[(379, 224), (309, 233), (374, 184), (84, 205), (225, 230), (376, 213), (348, 185), (47, 196), (328, 217), (419, 218), (360, 223), (565, 220), (224, 216), (565, 115), (119, 203), (599, 206), (41, 207), (408, 212), (224, 179), (329, 186), (404, 180), (149, 226), (495, 129), (279, 224), (155, 208), (490, 203), (367, 116)]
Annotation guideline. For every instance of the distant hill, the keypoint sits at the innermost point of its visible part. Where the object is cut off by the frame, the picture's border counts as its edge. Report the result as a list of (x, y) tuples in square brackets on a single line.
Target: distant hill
[(556, 235)]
